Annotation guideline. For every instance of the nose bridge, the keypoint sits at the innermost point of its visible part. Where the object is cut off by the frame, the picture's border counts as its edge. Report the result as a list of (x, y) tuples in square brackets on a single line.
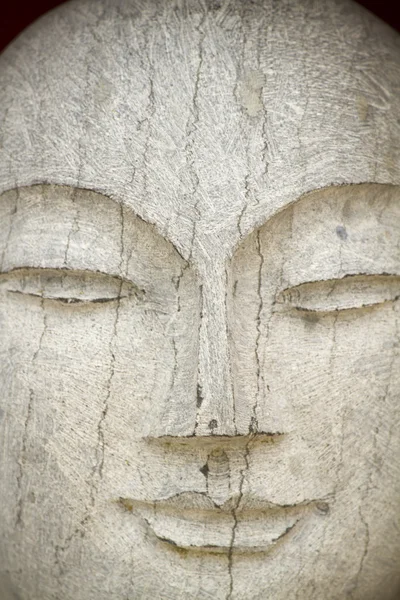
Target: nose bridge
[(215, 399)]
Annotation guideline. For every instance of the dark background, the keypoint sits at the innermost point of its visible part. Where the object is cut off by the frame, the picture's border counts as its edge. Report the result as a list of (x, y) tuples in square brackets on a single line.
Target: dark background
[(16, 15)]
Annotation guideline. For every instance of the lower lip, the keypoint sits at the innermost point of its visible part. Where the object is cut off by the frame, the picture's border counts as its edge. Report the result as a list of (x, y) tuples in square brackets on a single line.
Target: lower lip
[(223, 532), (220, 538)]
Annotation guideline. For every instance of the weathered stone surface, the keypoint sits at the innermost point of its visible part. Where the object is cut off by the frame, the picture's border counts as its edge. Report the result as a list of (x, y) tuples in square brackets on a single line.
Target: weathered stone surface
[(199, 303)]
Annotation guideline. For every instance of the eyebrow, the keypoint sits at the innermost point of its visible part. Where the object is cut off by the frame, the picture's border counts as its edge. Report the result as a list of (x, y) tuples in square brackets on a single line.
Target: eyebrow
[(334, 189), (121, 202)]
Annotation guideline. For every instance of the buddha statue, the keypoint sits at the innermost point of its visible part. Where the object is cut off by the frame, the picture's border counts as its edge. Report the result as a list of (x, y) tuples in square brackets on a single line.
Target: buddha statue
[(200, 303)]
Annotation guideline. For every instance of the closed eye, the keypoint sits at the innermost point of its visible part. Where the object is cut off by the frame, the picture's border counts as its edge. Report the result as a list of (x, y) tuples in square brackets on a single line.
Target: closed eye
[(68, 286), (349, 292)]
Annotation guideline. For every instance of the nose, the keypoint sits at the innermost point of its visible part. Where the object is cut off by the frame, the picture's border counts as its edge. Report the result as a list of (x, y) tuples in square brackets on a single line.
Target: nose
[(215, 391), (215, 414)]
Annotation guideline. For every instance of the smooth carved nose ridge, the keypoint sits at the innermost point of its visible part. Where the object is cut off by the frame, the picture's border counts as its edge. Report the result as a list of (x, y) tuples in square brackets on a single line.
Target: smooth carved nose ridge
[(215, 402), (214, 412), (217, 416)]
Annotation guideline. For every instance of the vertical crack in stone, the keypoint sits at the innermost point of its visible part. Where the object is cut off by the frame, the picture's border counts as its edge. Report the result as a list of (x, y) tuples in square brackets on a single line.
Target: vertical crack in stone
[(366, 544), (254, 421), (342, 235), (262, 38), (75, 225), (247, 193), (237, 95), (174, 370), (97, 472), (333, 345), (199, 387), (235, 518), (230, 374), (265, 149), (9, 232), (393, 426), (35, 356), (177, 283), (241, 214), (59, 550), (150, 110), (28, 418), (45, 326), (100, 426), (191, 127), (22, 458)]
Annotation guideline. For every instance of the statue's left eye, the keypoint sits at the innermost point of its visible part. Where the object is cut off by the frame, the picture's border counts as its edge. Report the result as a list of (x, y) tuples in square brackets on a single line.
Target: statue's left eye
[(349, 292), (68, 286)]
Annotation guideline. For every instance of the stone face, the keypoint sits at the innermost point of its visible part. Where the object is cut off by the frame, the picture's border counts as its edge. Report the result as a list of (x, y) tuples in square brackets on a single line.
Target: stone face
[(199, 303)]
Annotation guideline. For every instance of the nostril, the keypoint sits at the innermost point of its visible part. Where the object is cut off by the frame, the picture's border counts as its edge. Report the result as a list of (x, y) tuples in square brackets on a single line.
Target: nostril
[(199, 399), (205, 470), (213, 425), (253, 427)]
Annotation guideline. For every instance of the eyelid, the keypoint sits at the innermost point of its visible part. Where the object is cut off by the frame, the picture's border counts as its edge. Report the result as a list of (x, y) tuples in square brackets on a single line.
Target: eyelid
[(347, 293), (69, 286)]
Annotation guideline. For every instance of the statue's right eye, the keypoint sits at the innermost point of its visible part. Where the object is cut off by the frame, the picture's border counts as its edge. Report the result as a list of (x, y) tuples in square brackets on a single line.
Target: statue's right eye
[(68, 286)]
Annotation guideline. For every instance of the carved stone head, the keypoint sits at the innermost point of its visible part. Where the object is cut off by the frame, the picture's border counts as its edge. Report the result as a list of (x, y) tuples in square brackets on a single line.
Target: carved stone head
[(199, 303)]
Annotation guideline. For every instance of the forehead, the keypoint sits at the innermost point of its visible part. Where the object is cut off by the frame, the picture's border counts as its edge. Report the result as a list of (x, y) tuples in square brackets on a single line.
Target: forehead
[(205, 118)]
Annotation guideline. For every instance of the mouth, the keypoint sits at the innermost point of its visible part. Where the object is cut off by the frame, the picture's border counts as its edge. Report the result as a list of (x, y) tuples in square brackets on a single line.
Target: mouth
[(192, 522)]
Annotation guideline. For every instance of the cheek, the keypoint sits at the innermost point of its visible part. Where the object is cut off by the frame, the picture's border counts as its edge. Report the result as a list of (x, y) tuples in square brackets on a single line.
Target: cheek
[(61, 364), (334, 381), (66, 371), (84, 385), (79, 388), (330, 382)]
